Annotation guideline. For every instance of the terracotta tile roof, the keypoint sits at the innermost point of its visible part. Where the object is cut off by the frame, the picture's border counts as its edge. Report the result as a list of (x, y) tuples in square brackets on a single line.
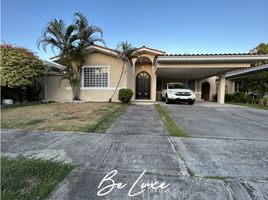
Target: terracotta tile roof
[(217, 54)]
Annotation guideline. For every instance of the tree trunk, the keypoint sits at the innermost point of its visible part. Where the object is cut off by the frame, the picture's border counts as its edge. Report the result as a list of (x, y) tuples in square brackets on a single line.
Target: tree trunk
[(76, 84), (122, 71)]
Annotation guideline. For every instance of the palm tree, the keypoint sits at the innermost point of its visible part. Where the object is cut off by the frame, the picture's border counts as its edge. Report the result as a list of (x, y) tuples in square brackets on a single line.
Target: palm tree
[(125, 52), (71, 43)]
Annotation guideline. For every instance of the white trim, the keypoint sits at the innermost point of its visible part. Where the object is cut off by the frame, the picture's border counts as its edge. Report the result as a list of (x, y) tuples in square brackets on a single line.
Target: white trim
[(53, 64), (95, 66), (150, 50), (214, 58), (101, 49), (95, 88)]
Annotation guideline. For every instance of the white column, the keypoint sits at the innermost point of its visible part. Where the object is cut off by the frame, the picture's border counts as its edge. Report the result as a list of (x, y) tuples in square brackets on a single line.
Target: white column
[(221, 89)]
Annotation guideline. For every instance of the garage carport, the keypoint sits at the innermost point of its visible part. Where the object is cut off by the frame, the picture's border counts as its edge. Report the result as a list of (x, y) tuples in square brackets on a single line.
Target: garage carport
[(201, 66)]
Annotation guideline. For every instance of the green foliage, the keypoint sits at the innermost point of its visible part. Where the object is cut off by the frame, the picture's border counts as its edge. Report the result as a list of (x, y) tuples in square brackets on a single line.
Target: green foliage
[(19, 66), (71, 42), (171, 126), (125, 52), (262, 48), (239, 98), (30, 179), (125, 95), (259, 82), (265, 100)]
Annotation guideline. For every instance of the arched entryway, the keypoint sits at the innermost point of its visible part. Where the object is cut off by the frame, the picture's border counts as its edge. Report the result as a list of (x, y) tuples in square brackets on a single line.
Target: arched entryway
[(205, 91), (143, 85)]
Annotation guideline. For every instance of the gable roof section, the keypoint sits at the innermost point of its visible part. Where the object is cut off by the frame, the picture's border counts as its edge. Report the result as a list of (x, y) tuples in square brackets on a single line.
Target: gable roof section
[(95, 48), (105, 50), (150, 50)]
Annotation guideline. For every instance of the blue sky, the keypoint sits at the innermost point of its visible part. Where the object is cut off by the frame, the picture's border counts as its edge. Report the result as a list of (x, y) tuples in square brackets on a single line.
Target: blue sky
[(175, 26)]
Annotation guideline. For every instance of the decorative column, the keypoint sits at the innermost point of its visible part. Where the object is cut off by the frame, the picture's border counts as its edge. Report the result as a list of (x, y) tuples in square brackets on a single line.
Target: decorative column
[(221, 89)]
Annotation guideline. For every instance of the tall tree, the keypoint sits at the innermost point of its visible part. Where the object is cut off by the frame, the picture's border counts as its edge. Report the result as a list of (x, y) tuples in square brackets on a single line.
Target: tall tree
[(259, 83), (71, 42), (262, 48), (125, 53)]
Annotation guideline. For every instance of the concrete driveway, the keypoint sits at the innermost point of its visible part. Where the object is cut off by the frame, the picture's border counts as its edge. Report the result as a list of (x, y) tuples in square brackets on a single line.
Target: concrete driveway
[(226, 140), (138, 141), (205, 119)]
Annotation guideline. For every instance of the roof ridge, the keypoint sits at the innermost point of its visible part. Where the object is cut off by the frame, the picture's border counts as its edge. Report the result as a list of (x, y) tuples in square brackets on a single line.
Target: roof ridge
[(150, 49)]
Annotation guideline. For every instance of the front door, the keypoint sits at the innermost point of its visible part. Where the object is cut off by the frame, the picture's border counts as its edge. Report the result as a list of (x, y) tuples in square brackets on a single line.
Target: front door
[(205, 91), (143, 85)]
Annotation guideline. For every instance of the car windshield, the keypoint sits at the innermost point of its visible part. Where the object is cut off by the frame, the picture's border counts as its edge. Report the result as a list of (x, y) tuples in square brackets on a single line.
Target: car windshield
[(176, 86)]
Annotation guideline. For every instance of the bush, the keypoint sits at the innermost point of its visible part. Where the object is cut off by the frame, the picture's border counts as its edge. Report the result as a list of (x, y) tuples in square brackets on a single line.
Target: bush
[(265, 100), (125, 95), (239, 98), (229, 97), (19, 66)]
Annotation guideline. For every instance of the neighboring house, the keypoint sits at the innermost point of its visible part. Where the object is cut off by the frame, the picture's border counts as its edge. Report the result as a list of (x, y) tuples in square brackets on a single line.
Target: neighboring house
[(237, 81), (149, 73)]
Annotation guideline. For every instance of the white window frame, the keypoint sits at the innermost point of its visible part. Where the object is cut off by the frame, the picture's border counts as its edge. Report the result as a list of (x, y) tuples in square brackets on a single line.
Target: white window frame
[(95, 66)]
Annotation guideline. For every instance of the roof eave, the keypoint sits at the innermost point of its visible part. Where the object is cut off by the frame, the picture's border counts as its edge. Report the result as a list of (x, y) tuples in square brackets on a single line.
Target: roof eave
[(217, 59), (246, 71)]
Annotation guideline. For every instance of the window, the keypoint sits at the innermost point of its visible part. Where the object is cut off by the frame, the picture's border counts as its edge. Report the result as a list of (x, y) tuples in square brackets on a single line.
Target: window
[(239, 86), (95, 76), (191, 84)]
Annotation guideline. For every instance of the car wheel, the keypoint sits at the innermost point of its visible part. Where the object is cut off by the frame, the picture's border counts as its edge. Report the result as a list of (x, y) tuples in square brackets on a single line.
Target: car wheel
[(191, 102), (167, 100)]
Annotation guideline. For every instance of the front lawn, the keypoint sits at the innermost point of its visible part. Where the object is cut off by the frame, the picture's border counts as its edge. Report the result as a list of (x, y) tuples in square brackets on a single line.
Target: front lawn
[(85, 117), (30, 179)]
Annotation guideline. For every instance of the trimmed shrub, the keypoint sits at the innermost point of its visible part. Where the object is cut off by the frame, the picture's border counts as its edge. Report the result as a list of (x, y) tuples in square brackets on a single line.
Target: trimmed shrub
[(125, 95)]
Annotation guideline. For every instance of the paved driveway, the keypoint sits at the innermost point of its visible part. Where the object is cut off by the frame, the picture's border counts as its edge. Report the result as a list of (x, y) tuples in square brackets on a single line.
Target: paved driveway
[(227, 141), (206, 119), (138, 141)]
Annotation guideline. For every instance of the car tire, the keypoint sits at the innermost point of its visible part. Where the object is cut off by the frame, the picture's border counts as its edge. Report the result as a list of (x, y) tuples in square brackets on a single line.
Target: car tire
[(191, 102), (167, 100)]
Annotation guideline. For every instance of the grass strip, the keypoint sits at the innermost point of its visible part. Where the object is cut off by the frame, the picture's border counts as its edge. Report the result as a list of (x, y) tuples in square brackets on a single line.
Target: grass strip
[(30, 178), (172, 127), (262, 107), (105, 121)]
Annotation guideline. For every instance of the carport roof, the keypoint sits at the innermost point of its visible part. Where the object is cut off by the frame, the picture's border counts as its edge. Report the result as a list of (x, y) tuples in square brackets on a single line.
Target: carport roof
[(199, 66), (212, 58)]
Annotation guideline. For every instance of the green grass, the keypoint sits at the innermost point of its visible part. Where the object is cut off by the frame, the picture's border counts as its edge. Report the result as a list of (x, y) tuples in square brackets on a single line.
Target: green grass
[(34, 121), (105, 121), (171, 126), (251, 105), (26, 179), (215, 177)]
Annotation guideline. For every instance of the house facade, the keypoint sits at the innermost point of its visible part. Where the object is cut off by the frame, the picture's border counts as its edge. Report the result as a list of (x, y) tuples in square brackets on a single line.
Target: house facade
[(148, 74)]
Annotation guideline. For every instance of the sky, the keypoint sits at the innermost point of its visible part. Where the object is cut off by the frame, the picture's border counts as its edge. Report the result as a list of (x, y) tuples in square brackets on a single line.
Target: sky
[(174, 26)]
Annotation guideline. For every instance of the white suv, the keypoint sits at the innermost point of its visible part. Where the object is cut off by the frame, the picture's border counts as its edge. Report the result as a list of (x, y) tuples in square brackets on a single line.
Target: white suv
[(179, 93)]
